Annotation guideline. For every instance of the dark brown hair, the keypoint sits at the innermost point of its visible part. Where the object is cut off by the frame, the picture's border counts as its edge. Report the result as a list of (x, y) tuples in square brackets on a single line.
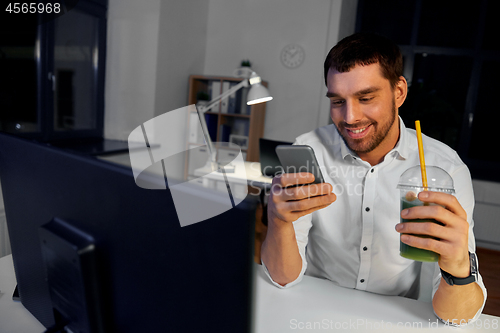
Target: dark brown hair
[(365, 49)]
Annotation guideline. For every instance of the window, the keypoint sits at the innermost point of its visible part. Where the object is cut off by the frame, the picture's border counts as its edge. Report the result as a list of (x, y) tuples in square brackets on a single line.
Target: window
[(53, 86), (452, 63), (18, 79)]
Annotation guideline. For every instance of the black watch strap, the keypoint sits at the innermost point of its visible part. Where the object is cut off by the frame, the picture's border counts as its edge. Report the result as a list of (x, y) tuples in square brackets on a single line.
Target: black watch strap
[(452, 280)]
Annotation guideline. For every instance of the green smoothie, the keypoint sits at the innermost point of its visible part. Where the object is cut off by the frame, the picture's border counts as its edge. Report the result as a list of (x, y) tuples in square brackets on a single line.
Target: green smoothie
[(411, 252)]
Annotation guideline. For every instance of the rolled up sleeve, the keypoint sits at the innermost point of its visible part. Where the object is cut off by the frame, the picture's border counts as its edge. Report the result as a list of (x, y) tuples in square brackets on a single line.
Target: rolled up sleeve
[(301, 227)]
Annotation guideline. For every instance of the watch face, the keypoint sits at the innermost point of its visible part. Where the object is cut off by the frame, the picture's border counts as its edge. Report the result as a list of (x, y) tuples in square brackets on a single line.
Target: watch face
[(292, 56)]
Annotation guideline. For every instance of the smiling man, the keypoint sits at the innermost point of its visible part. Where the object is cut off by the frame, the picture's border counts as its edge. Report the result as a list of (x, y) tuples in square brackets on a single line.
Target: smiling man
[(350, 232)]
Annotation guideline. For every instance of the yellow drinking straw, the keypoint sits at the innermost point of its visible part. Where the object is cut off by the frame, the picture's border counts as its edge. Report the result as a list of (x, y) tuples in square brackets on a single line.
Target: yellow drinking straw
[(421, 154)]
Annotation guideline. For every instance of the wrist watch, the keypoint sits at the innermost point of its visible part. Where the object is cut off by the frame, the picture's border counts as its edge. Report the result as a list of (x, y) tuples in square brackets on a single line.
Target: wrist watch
[(451, 280)]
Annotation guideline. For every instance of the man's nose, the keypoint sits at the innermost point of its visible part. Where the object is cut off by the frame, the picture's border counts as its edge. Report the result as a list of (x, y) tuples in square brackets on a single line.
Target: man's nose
[(353, 113)]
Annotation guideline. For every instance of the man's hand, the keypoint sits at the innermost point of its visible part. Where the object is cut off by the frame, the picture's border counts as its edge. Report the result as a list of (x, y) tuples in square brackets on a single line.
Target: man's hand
[(287, 204), (280, 251), (453, 235), (455, 304)]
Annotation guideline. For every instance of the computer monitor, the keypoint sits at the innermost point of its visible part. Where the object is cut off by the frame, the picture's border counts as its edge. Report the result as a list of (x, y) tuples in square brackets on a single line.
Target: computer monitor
[(134, 267), (269, 162)]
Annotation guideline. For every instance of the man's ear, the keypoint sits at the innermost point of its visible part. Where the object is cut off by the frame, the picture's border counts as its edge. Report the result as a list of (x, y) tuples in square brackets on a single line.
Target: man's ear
[(400, 91)]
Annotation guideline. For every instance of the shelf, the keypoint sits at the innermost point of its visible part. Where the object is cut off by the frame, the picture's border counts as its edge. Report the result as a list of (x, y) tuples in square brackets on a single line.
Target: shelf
[(235, 115), (229, 114)]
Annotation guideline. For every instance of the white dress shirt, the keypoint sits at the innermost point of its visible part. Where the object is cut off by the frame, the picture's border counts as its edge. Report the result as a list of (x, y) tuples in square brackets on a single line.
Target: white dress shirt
[(353, 242)]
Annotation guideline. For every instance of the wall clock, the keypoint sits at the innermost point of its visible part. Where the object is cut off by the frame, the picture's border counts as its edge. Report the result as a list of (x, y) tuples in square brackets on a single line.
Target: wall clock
[(292, 56)]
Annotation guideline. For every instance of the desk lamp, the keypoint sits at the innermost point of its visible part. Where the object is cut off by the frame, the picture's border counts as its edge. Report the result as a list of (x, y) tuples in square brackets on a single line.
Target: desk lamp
[(257, 94)]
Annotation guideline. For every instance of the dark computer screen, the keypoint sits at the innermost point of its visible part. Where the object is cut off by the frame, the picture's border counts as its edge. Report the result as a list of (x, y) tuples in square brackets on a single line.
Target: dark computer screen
[(269, 162), (150, 273)]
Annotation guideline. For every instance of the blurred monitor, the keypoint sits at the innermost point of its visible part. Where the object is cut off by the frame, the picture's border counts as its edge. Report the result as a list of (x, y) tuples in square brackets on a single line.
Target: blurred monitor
[(96, 253)]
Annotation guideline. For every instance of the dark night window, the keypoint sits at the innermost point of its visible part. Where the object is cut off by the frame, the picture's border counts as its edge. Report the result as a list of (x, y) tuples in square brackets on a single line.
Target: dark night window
[(486, 115), (18, 81), (52, 82), (437, 95), (451, 60), (383, 16), (448, 23)]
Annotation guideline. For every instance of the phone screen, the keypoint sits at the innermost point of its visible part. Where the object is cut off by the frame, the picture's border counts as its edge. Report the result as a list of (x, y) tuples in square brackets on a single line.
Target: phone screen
[(299, 158)]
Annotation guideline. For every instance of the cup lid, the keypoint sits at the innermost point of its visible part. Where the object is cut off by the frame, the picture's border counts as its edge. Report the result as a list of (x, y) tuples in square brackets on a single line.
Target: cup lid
[(437, 179)]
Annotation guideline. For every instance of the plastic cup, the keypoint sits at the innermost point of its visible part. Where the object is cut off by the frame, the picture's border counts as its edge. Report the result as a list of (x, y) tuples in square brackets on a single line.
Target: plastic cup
[(410, 185)]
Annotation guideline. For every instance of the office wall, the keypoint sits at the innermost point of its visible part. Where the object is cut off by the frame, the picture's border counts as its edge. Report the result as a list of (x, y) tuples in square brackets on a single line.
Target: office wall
[(486, 213), (258, 30), (131, 65), (153, 45), (181, 50)]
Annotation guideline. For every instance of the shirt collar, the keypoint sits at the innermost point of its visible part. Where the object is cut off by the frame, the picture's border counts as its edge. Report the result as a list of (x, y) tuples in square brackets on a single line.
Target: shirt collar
[(346, 151), (402, 147)]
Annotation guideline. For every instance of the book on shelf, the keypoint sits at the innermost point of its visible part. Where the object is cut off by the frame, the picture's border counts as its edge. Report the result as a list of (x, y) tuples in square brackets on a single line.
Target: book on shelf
[(215, 91), (244, 108), (211, 121), (225, 131), (232, 100), (224, 104)]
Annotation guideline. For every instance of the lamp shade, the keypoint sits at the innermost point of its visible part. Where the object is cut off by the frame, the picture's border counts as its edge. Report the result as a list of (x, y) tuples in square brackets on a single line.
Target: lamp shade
[(258, 94)]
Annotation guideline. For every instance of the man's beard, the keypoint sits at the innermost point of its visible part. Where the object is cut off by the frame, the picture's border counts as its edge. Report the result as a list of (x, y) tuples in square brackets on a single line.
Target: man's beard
[(358, 145)]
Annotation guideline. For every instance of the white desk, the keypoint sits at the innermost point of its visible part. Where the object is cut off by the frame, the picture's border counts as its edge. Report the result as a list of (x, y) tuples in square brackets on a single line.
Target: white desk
[(311, 302), (332, 308), (14, 318)]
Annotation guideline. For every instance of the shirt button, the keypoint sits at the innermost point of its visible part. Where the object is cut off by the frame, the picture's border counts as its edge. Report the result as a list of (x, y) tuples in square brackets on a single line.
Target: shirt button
[(362, 280), (372, 170), (365, 248), (367, 209)]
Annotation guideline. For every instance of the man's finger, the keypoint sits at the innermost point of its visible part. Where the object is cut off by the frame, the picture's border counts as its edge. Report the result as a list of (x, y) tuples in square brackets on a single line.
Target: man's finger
[(304, 192), (307, 206), (444, 199), (311, 203), (435, 212), (423, 228), (309, 211), (290, 179)]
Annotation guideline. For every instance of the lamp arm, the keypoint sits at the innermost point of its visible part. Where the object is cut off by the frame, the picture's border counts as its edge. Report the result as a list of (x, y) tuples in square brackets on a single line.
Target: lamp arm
[(224, 95), (202, 109), (206, 134)]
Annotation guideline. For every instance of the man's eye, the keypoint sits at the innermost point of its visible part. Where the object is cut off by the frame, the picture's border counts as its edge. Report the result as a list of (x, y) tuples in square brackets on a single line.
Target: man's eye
[(337, 102), (365, 99)]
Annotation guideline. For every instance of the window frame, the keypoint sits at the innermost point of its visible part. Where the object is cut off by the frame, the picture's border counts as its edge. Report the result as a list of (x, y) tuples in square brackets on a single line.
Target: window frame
[(44, 59)]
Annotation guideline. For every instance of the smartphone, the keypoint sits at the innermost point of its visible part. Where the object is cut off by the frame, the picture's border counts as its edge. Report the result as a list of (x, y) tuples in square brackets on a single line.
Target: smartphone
[(299, 158)]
